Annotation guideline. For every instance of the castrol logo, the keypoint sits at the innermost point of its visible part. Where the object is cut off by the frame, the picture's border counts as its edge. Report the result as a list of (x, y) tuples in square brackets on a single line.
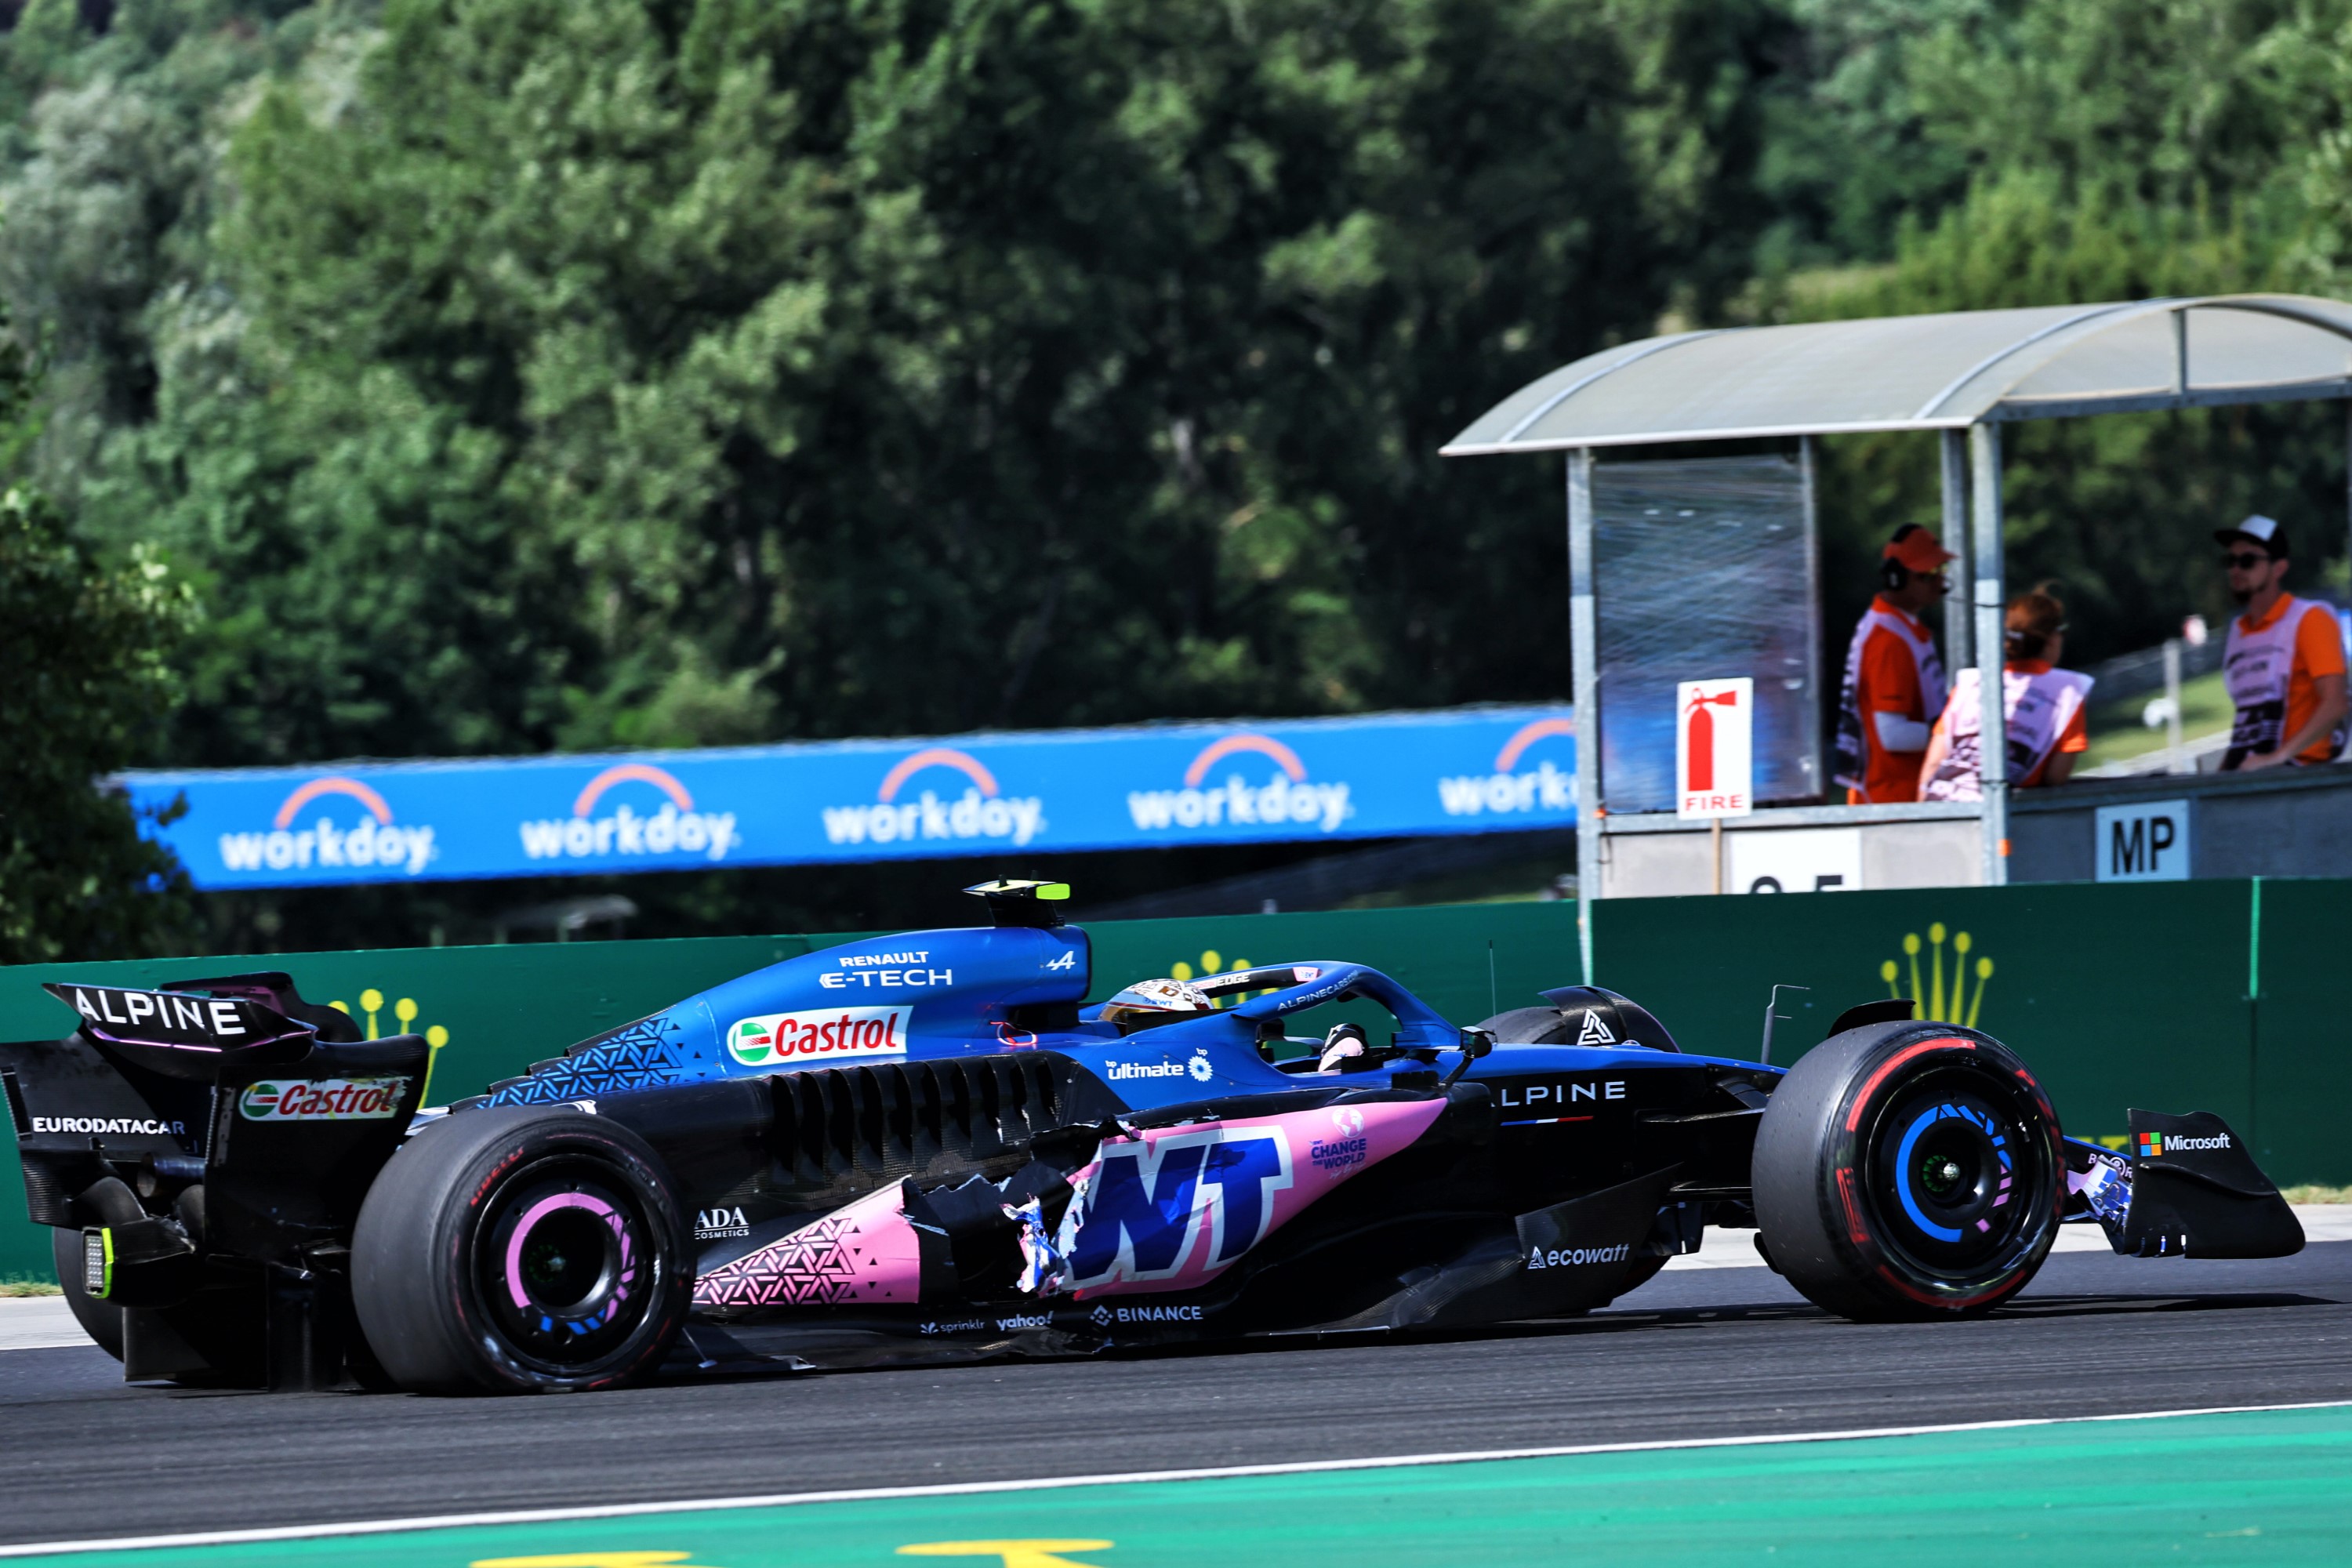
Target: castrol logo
[(322, 1100), (784, 1039)]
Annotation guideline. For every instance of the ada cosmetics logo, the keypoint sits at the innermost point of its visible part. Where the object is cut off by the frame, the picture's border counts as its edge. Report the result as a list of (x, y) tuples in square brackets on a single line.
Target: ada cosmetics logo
[(1284, 796), (322, 1100), (1509, 791), (717, 1224), (367, 839), (776, 1039), (981, 812), (675, 827)]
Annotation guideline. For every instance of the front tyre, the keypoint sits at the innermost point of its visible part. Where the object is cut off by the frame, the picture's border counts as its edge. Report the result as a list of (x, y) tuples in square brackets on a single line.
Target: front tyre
[(521, 1249), (1908, 1171)]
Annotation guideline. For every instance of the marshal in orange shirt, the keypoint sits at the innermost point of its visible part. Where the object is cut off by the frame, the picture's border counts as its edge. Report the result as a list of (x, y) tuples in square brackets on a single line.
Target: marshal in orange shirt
[(1888, 682), (2318, 650)]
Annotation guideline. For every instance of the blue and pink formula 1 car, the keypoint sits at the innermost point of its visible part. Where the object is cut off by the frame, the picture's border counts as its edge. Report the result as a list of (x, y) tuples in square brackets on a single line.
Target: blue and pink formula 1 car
[(919, 1147)]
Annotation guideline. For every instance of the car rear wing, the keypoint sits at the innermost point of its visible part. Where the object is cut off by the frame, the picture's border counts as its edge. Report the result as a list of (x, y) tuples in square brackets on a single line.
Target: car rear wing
[(208, 1117)]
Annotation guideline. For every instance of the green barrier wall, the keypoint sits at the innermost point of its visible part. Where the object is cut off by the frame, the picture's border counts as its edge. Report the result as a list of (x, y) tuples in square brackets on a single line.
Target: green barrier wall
[(506, 1007), (2181, 996), (2117, 995)]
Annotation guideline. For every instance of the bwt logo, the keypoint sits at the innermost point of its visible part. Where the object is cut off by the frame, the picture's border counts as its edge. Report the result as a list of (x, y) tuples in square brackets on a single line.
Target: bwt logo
[(1285, 796), (677, 828), (371, 839), (1146, 1208), (1505, 792), (981, 812)]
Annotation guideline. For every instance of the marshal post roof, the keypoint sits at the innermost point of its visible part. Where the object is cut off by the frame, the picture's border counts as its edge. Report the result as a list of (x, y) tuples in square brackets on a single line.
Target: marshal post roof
[(1930, 372)]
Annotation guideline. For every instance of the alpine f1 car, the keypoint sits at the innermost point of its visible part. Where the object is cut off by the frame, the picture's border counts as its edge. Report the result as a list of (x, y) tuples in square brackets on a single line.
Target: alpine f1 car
[(919, 1147)]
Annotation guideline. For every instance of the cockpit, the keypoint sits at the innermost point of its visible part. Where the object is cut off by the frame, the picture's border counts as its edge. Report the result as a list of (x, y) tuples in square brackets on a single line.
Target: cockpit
[(1267, 1000)]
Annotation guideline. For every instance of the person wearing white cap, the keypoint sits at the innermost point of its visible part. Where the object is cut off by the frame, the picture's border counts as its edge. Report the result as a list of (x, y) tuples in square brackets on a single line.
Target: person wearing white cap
[(2284, 663)]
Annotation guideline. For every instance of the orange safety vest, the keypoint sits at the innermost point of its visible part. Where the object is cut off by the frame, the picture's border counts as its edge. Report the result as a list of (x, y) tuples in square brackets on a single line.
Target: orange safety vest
[(1856, 743)]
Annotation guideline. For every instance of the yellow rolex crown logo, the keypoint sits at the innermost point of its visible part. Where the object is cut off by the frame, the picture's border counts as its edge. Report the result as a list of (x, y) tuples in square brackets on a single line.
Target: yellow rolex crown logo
[(1930, 995), (406, 1011), (1214, 962)]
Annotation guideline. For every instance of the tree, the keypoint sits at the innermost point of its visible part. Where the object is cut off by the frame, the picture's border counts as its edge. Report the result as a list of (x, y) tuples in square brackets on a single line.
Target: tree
[(2117, 511), (88, 647), (594, 372)]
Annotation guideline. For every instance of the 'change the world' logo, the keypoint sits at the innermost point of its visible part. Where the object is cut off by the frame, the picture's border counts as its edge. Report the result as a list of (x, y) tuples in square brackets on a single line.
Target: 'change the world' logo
[(983, 811), (1284, 796), (367, 839), (673, 828)]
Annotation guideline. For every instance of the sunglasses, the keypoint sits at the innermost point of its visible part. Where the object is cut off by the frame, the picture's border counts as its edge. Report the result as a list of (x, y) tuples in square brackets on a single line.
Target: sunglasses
[(2245, 560)]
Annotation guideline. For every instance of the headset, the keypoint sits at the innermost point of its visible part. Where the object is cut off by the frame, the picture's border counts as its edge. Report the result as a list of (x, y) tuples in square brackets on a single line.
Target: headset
[(1892, 576)]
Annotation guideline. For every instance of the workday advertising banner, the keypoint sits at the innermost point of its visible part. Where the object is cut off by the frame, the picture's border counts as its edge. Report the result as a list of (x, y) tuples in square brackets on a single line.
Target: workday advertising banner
[(1479, 770)]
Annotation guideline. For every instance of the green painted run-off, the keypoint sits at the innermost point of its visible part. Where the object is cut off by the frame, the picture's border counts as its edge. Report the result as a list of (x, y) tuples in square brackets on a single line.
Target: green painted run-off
[(2256, 1487)]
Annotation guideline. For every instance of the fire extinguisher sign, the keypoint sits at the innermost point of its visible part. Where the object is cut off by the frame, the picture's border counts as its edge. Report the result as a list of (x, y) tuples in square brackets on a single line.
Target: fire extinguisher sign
[(1714, 724)]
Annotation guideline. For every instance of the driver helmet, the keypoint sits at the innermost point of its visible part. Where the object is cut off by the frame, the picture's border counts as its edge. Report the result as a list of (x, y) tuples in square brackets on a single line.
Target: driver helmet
[(1343, 1049), (1150, 1003)]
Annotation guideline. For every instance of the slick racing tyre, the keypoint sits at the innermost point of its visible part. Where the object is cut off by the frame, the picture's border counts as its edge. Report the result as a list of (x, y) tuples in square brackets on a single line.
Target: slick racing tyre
[(1908, 1171), (521, 1249), (102, 1321)]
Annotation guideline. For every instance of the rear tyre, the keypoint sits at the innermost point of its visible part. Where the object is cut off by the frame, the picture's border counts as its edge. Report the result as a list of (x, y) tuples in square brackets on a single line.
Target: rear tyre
[(102, 1321), (521, 1249), (1908, 1171)]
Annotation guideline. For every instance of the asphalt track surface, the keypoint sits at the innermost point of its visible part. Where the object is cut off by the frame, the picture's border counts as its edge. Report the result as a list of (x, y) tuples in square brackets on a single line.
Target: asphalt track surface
[(1697, 1354)]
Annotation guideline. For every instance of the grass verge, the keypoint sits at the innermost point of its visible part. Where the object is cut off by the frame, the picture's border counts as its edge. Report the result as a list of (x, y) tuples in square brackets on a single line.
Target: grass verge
[(2116, 731), (2310, 1194)]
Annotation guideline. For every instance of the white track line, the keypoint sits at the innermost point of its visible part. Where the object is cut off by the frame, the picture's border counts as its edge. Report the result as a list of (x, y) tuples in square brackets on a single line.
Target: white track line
[(966, 1488), (37, 1323)]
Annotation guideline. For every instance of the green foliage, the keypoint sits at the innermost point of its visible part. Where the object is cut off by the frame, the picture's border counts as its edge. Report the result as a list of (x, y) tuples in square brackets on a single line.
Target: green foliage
[(518, 374), (2113, 150), (596, 373), (88, 650), (1889, 110), (107, 180), (2117, 512)]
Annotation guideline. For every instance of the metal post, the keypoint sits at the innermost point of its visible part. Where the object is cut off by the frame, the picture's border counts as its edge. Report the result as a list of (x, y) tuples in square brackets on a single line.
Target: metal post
[(1984, 541), (1584, 650), (1959, 607), (2348, 491), (1816, 776), (2172, 705)]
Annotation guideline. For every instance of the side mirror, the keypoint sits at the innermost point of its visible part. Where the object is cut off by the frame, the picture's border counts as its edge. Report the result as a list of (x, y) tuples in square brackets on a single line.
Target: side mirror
[(1475, 1043)]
